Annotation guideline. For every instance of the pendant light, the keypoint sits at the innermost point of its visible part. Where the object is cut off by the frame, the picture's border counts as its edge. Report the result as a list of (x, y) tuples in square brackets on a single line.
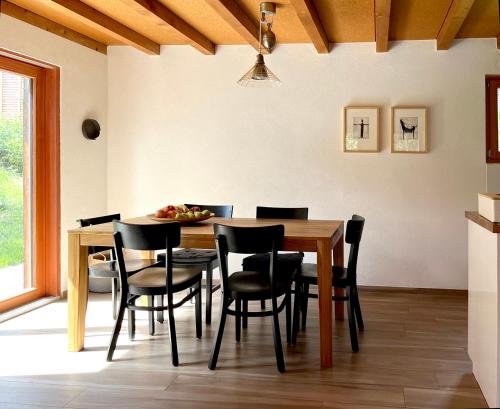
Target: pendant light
[(259, 76)]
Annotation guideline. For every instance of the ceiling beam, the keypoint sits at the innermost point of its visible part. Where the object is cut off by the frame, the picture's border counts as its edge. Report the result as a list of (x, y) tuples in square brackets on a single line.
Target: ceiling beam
[(382, 22), (238, 20), (111, 27), (309, 17), (458, 11), (195, 38), (52, 27)]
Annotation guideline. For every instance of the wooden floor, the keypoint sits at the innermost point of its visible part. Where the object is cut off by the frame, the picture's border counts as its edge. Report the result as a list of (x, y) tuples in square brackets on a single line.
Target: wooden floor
[(413, 354)]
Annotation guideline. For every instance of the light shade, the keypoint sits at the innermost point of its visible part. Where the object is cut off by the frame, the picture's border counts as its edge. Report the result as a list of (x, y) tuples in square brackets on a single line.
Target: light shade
[(259, 76)]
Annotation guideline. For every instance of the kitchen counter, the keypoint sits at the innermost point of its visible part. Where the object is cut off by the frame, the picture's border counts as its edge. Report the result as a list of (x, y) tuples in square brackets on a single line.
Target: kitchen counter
[(484, 305)]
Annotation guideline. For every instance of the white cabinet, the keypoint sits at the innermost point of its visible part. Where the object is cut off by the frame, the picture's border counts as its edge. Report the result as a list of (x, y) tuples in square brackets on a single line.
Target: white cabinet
[(484, 309)]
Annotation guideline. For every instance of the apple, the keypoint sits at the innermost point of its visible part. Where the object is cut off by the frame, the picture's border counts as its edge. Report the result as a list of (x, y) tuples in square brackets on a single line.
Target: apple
[(195, 209), (205, 212), (180, 216), (160, 213), (171, 214), (170, 207), (198, 214)]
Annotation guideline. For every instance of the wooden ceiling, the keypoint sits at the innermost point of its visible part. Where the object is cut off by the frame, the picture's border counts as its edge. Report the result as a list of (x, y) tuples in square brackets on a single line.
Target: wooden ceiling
[(204, 24)]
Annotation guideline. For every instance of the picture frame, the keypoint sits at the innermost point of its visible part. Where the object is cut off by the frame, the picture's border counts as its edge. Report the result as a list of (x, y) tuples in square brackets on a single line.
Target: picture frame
[(361, 129), (409, 129)]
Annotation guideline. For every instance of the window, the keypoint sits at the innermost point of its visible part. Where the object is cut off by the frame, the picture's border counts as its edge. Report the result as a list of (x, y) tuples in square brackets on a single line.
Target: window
[(492, 119), (29, 180)]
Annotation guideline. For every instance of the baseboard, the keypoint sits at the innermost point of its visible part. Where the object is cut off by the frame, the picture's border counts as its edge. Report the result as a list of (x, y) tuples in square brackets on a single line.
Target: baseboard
[(412, 290)]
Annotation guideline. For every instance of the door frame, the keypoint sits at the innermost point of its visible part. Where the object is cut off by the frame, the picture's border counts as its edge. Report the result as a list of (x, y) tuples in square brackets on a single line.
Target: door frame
[(46, 198)]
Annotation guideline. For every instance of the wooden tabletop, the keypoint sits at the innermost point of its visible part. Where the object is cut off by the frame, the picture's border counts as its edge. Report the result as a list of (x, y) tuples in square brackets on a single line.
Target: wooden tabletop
[(483, 222), (307, 232)]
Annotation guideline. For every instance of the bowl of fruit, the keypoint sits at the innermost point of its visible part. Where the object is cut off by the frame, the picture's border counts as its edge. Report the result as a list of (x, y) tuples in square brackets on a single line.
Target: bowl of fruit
[(181, 214)]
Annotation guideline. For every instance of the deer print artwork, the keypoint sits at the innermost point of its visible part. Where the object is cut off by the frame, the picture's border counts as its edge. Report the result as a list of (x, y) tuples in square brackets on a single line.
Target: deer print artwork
[(409, 129), (408, 126)]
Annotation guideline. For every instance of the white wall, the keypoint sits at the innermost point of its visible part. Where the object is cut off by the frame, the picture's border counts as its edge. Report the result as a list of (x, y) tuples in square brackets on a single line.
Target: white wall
[(181, 130), (83, 95)]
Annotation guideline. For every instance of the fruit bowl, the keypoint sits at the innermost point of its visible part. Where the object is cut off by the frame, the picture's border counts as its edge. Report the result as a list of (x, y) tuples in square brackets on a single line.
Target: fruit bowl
[(185, 220)]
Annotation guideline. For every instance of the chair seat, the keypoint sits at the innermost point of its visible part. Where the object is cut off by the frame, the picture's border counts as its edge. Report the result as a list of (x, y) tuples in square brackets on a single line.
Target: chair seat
[(309, 274), (152, 280), (287, 262), (110, 268), (253, 285), (191, 256)]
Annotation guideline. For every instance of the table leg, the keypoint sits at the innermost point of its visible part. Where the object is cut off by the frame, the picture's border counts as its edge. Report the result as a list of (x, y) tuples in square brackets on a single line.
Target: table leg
[(338, 260), (324, 258), (78, 282)]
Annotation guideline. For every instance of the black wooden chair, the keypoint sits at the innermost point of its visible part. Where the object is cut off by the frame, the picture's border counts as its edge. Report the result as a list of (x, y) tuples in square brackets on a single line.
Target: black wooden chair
[(288, 263), (251, 285), (205, 259), (153, 281), (341, 278), (109, 269)]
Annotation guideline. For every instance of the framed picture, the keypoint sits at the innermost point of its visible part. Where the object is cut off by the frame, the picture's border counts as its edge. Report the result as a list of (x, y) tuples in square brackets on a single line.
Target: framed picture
[(361, 129), (409, 130)]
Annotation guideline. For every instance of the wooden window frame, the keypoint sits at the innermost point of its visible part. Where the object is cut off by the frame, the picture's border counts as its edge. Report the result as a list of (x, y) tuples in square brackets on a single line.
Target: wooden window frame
[(492, 84), (46, 202)]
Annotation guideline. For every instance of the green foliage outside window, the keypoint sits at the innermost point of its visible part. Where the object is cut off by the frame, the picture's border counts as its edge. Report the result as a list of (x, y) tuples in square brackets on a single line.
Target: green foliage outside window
[(11, 192)]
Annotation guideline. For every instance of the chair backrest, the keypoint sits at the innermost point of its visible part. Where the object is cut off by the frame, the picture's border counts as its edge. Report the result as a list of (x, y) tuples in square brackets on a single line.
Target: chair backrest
[(354, 231), (246, 240), (91, 221), (151, 237), (300, 213), (99, 220), (161, 236), (219, 210)]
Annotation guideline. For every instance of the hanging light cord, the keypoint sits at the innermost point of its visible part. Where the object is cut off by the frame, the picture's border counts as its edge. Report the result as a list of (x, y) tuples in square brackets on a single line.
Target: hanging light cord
[(262, 19)]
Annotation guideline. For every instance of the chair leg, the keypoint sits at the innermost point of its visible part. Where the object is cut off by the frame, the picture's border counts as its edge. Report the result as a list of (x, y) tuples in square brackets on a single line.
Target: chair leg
[(151, 303), (208, 300), (288, 313), (197, 308), (244, 319), (114, 295), (237, 320), (357, 309), (280, 362), (118, 327), (159, 314), (131, 325), (296, 311), (352, 321), (212, 362), (173, 335), (305, 301), (262, 304)]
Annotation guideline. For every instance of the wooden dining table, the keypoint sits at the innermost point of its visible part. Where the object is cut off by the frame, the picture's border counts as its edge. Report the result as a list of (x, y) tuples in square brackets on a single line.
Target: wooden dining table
[(323, 237)]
